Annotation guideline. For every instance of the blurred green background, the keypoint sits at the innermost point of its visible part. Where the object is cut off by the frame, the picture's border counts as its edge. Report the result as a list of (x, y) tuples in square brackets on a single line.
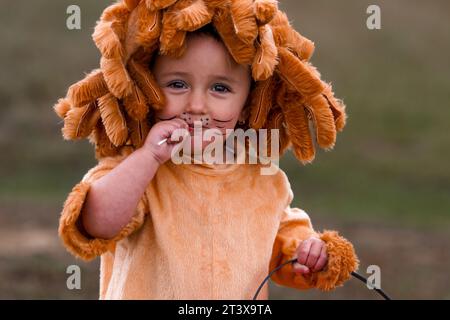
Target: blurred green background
[(385, 186)]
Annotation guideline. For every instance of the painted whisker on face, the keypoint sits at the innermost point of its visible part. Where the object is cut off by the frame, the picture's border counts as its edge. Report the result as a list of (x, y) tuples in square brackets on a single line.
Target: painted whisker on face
[(222, 122), (166, 119)]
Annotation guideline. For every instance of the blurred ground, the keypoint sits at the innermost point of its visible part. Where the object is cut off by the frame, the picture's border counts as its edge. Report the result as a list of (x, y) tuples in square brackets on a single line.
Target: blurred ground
[(385, 186)]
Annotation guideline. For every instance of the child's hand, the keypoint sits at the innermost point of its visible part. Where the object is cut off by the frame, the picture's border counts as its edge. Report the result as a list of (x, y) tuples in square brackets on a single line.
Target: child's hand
[(160, 131), (311, 256)]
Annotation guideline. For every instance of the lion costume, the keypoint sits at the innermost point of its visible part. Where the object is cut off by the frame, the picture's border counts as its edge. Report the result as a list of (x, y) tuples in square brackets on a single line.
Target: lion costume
[(113, 107)]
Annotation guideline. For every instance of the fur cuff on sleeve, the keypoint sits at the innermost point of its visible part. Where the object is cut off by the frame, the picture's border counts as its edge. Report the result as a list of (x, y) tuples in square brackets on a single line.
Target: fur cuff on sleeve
[(342, 260), (79, 243)]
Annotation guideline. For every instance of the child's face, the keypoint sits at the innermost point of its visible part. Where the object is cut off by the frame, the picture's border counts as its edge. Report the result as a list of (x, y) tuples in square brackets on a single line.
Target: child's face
[(205, 85)]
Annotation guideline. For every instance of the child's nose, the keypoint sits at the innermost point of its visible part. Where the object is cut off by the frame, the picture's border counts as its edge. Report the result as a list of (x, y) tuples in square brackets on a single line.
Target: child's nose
[(197, 103)]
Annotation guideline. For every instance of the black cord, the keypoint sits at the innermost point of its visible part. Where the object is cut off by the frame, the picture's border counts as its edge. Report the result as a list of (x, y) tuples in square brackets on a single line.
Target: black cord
[(354, 274), (379, 290)]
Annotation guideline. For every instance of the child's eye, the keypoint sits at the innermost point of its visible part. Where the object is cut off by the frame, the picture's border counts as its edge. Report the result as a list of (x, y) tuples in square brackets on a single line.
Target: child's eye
[(176, 85), (222, 88)]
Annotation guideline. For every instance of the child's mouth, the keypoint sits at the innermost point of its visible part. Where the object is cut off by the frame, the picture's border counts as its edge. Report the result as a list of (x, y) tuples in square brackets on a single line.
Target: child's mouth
[(192, 129)]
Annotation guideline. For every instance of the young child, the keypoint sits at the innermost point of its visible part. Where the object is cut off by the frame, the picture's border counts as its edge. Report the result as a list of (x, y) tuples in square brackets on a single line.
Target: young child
[(197, 231)]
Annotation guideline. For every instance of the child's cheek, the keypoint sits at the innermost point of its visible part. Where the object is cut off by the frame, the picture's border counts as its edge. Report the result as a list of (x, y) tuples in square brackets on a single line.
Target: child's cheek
[(174, 106)]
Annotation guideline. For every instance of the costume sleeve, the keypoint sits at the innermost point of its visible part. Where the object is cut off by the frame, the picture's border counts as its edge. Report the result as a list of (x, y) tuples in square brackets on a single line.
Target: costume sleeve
[(75, 238), (295, 226)]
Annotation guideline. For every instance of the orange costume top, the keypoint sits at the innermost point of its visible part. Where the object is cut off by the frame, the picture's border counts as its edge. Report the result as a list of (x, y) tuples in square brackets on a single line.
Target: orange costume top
[(179, 246)]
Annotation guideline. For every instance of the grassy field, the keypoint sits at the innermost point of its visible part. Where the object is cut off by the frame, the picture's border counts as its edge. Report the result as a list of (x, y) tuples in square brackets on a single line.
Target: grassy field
[(385, 186)]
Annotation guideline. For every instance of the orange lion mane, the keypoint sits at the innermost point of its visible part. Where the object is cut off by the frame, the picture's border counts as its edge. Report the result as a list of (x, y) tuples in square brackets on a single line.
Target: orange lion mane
[(113, 105)]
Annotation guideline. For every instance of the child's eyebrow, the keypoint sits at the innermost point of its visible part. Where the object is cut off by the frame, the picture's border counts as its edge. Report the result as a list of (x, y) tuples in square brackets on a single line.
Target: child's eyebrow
[(224, 78), (175, 73), (187, 74)]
